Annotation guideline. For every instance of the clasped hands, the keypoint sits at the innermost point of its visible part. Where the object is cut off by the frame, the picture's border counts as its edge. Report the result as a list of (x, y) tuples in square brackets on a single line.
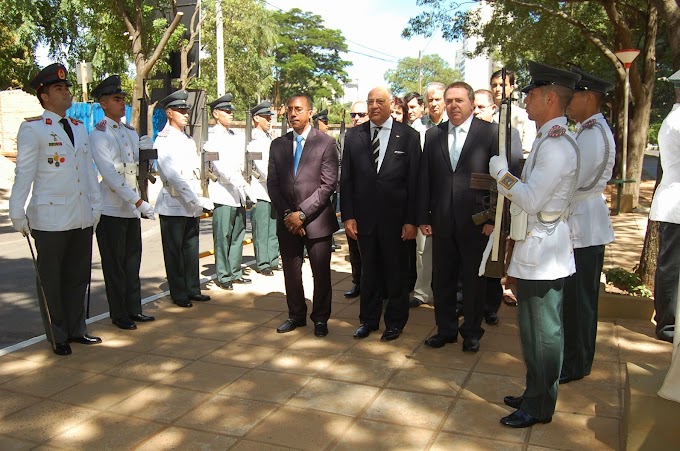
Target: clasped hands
[(408, 231), (294, 224)]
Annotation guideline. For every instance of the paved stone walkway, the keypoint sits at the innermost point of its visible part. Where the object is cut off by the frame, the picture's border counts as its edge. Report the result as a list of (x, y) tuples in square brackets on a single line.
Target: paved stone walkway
[(218, 376)]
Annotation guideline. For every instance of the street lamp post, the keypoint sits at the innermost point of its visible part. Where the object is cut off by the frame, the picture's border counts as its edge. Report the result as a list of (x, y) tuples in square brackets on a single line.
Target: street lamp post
[(627, 57)]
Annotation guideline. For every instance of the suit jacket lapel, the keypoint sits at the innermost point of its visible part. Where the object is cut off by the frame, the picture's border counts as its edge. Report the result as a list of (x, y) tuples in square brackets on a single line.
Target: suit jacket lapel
[(444, 143), (392, 144)]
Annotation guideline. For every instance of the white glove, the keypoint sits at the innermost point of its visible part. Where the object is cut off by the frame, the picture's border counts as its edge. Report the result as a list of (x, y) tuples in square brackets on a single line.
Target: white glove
[(145, 142), (496, 165), (21, 226), (146, 210), (206, 203), (97, 216)]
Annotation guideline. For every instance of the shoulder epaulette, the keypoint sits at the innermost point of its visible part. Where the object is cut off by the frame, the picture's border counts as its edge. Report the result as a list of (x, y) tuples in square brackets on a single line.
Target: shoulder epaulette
[(556, 131), (75, 121), (590, 123), (163, 133), (101, 126), (129, 127), (33, 119)]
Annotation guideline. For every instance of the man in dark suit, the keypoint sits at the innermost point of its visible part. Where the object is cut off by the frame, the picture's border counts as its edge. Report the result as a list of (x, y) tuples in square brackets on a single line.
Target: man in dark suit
[(303, 174), (379, 187), (453, 150)]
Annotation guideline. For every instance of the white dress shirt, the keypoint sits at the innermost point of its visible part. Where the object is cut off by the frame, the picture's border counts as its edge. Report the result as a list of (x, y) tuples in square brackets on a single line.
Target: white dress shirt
[(461, 132), (383, 136)]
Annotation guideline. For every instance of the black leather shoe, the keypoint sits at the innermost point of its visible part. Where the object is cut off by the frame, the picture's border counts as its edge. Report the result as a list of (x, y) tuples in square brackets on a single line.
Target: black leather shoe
[(513, 401), (199, 297), (62, 349), (438, 341), (124, 324), (491, 318), (85, 340), (224, 286), (391, 333), (183, 303), (520, 419), (364, 331), (267, 272), (471, 344), (320, 329), (290, 325), (242, 280), (415, 302), (354, 292), (142, 318), (565, 379)]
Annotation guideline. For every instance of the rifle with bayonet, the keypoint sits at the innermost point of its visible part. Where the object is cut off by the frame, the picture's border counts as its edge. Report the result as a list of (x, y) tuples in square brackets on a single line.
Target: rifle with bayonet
[(496, 261), (206, 157), (146, 171)]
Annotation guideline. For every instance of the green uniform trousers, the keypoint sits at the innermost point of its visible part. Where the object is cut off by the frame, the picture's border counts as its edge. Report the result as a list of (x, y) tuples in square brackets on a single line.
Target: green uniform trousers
[(229, 230), (540, 328), (579, 310), (265, 241), (179, 235)]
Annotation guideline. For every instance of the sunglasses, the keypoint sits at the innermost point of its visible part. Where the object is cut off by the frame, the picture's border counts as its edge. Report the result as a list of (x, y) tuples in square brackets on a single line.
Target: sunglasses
[(353, 115)]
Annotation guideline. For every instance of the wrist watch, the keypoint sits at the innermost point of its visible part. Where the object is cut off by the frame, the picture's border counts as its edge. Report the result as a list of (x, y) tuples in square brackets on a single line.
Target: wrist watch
[(302, 216)]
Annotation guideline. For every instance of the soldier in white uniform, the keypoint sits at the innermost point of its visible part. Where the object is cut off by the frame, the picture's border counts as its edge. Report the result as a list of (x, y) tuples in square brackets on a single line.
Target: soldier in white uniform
[(228, 192), (179, 205), (543, 255), (591, 228), (54, 160), (115, 148), (666, 210), (263, 216)]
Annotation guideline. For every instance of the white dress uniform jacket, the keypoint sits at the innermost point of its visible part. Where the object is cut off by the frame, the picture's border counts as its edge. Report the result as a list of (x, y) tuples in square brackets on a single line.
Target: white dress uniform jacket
[(179, 167), (114, 145), (548, 178), (666, 202), (260, 143), (229, 189), (589, 215), (63, 178)]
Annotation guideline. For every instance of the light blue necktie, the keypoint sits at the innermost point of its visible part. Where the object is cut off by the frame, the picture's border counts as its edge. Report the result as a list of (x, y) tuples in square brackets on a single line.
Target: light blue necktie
[(455, 149), (298, 153)]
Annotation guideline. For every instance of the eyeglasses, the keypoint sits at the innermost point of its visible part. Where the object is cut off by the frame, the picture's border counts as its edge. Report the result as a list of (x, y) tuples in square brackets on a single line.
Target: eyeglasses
[(353, 115), (296, 109)]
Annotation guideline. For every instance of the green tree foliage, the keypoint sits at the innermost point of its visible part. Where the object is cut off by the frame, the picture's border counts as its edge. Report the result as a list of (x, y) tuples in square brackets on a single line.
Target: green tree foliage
[(250, 34), (405, 77), (307, 57)]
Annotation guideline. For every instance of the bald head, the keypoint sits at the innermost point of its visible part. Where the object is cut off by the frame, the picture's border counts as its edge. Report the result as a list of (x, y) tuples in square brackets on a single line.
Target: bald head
[(379, 104)]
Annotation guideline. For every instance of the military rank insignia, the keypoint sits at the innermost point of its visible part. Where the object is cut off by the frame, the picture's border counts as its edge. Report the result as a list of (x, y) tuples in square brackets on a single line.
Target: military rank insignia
[(590, 123), (129, 127), (48, 121), (75, 121), (57, 160), (556, 131), (508, 181)]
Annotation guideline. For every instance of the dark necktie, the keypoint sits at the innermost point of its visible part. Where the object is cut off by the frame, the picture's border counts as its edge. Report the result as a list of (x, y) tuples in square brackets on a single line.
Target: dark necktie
[(67, 129), (375, 145)]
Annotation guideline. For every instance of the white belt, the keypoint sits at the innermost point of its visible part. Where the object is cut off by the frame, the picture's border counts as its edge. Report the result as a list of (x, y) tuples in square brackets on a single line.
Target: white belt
[(587, 195), (550, 216)]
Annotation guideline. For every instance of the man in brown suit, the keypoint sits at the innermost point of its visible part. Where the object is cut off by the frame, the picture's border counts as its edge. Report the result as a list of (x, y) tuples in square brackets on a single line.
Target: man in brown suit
[(303, 174)]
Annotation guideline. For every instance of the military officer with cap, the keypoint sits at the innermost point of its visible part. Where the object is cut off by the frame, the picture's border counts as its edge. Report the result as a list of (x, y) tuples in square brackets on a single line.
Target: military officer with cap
[(543, 255), (591, 228), (228, 192), (115, 148), (666, 210), (179, 205), (321, 120), (263, 216), (55, 164)]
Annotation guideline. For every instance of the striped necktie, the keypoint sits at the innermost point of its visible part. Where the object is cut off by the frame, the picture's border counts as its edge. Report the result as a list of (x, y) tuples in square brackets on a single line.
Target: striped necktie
[(375, 145)]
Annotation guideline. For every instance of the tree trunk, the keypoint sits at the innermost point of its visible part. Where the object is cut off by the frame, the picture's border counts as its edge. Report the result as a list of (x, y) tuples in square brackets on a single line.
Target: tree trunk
[(137, 95), (650, 249)]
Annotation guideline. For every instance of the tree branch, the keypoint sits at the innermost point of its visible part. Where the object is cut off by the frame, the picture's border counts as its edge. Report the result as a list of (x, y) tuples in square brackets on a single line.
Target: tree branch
[(151, 61)]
